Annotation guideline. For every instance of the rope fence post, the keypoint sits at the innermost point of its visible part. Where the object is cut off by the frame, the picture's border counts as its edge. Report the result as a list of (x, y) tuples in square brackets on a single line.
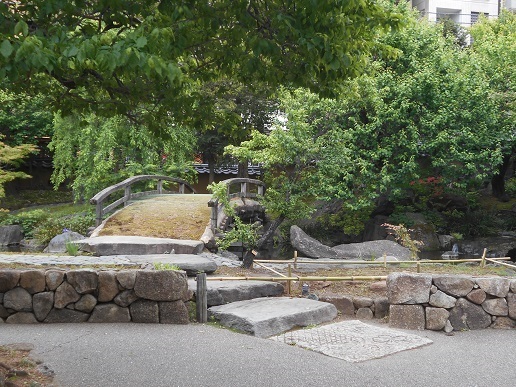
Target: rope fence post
[(201, 298)]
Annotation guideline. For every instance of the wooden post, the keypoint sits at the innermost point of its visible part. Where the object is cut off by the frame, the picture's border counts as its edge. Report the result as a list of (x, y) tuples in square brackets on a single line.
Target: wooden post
[(181, 188), (160, 187), (483, 262), (418, 267), (201, 299), (295, 259), (385, 260), (243, 189), (289, 282), (127, 194), (260, 190), (98, 214)]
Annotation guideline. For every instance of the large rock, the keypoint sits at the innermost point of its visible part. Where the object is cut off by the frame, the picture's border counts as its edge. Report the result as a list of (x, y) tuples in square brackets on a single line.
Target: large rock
[(108, 286), (54, 278), (126, 298), (264, 317), (21, 318), (192, 264), (511, 303), (83, 281), (498, 287), (8, 279), (86, 303), (372, 250), (173, 312), (58, 243), (110, 313), (442, 300), (477, 296), (137, 245), (466, 315), (423, 231), (126, 278), (163, 285), (405, 288), (18, 299), (66, 316), (33, 281), (455, 285), (10, 235), (42, 304), (496, 307), (309, 246), (65, 294), (436, 318), (407, 317), (144, 311), (344, 304), (381, 307), (224, 292)]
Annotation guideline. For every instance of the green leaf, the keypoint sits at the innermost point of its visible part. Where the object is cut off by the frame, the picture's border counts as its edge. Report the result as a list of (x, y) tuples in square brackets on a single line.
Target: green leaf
[(141, 42), (22, 27), (6, 48)]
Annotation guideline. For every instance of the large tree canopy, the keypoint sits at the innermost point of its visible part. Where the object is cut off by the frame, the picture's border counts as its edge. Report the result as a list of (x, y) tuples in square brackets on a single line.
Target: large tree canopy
[(115, 56)]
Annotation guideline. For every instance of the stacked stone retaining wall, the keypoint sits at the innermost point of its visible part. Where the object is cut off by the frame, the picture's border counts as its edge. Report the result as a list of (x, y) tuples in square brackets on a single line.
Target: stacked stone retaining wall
[(61, 296), (450, 302)]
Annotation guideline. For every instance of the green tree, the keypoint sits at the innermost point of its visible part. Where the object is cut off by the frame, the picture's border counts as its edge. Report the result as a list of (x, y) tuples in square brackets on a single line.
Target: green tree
[(12, 156)]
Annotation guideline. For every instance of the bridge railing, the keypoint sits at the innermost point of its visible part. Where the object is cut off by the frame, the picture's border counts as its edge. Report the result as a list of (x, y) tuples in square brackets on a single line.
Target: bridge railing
[(245, 188), (99, 199)]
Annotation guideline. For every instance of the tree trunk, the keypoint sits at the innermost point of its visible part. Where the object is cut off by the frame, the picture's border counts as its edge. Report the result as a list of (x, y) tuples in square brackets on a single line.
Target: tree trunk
[(262, 242), (498, 180), (243, 170), (211, 167)]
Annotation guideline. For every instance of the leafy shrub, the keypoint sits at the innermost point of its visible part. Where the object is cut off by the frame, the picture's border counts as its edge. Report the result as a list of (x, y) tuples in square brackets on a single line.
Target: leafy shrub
[(510, 187), (54, 226), (27, 220)]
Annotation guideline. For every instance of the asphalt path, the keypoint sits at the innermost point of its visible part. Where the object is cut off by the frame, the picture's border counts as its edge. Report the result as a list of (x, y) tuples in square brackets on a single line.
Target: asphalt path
[(204, 355)]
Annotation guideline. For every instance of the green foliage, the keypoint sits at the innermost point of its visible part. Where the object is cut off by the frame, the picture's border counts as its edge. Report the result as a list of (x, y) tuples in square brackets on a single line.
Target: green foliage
[(72, 248), (51, 227), (10, 157), (28, 220), (510, 187), (165, 266), (27, 198), (404, 237)]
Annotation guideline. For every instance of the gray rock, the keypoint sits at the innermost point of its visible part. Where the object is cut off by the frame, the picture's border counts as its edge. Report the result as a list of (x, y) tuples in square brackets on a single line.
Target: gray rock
[(33, 281), (407, 317), (511, 303), (503, 323), (362, 302), (477, 296), (66, 316), (379, 287), (343, 304), (86, 303), (126, 278), (448, 328), (174, 312), (372, 250), (496, 307), (513, 285), (54, 278), (445, 242), (58, 243), (405, 288), (442, 300), (18, 299), (381, 307), (84, 280), (455, 285), (21, 318), (264, 317), (42, 304), (192, 264), (144, 311), (309, 246), (8, 279), (126, 298), (466, 315), (224, 292), (65, 294), (166, 285), (10, 235), (433, 289), (3, 312), (108, 286), (436, 318), (110, 313), (364, 314), (495, 286), (425, 232), (137, 245)]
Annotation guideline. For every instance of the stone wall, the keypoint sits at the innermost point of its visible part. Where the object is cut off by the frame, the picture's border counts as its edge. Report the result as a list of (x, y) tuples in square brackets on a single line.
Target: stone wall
[(450, 302), (61, 296), (361, 308)]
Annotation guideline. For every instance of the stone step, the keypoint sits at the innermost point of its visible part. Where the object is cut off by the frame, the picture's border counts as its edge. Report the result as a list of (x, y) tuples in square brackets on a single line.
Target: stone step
[(191, 263), (225, 292), (137, 245), (265, 317)]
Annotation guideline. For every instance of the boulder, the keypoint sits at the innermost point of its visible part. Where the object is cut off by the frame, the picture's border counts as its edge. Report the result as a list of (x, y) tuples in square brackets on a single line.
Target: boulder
[(503, 323), (442, 300), (405, 288), (445, 242), (86, 303), (8, 279), (477, 296), (511, 304), (126, 278), (466, 315), (3, 312), (362, 302), (174, 312), (144, 311), (42, 304), (10, 235), (436, 318), (108, 286), (18, 299), (33, 281), (407, 317), (58, 243), (54, 278), (423, 231), (343, 304), (65, 294), (309, 246), (126, 298), (163, 285), (21, 318), (381, 307), (364, 314), (66, 316), (496, 307), (110, 313), (455, 285), (498, 287), (84, 281), (372, 250)]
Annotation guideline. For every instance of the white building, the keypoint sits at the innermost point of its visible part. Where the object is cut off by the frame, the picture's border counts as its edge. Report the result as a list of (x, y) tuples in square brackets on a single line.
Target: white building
[(463, 12)]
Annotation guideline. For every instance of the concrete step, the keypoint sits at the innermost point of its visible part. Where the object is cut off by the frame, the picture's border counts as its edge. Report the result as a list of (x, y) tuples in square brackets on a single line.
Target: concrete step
[(224, 292), (265, 317), (191, 263), (137, 245)]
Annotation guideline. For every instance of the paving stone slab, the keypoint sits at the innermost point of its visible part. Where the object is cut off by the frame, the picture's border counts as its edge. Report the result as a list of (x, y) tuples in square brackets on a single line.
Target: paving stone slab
[(265, 317), (137, 245), (190, 263), (224, 292), (353, 341)]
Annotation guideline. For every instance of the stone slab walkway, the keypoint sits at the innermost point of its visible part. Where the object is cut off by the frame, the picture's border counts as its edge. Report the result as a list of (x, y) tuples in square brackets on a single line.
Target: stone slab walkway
[(52, 259), (353, 340)]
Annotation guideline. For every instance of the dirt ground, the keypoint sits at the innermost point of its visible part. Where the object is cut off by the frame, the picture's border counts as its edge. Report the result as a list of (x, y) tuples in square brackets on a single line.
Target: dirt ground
[(17, 368)]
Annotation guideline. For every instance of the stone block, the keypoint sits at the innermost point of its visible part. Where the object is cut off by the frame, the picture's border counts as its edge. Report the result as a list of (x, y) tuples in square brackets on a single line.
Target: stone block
[(33, 281), (454, 285), (503, 323), (54, 278), (86, 303), (163, 285), (42, 304), (108, 286), (110, 313), (466, 315), (511, 304), (364, 314), (173, 312), (144, 311), (436, 318), (477, 296), (495, 286), (513, 285), (405, 288), (496, 307), (441, 300), (343, 304), (381, 307), (3, 312), (8, 279), (362, 302), (126, 298), (83, 281), (66, 316), (126, 278), (11, 235), (21, 318), (65, 294), (407, 316), (18, 299)]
